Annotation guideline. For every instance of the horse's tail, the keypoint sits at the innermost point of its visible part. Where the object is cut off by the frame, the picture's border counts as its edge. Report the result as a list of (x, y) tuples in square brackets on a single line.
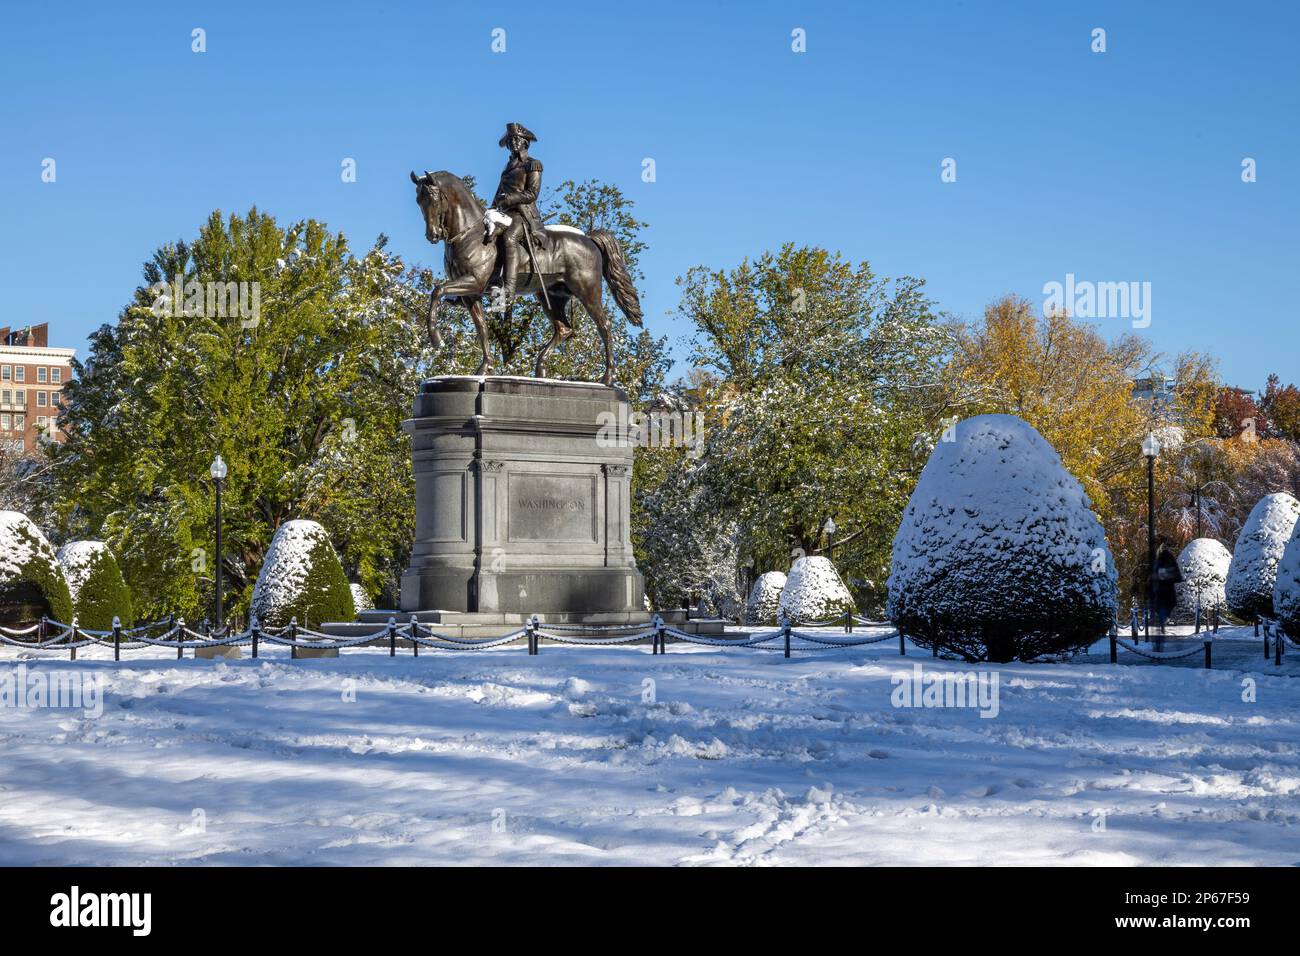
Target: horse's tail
[(615, 270)]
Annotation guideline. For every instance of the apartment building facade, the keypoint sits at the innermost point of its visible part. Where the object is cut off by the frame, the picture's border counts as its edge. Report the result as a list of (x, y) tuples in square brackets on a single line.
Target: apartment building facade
[(32, 376)]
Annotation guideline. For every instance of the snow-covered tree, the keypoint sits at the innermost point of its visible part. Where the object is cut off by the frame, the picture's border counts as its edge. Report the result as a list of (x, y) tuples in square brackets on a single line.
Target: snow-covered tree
[(95, 583), (814, 592), (999, 555), (1204, 563), (301, 578), (764, 601), (31, 581), (1253, 572)]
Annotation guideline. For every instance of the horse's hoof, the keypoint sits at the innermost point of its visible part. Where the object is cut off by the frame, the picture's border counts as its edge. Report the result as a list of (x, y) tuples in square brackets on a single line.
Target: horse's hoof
[(483, 369)]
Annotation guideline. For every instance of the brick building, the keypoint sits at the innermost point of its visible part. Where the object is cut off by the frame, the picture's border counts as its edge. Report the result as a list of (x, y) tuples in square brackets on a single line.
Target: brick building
[(32, 376)]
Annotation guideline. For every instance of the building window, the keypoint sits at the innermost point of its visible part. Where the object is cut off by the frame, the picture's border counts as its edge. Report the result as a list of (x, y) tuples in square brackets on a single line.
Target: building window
[(4, 423), (4, 398), (20, 373), (42, 421), (56, 375), (20, 396), (5, 372), (40, 373), (40, 399), (20, 422)]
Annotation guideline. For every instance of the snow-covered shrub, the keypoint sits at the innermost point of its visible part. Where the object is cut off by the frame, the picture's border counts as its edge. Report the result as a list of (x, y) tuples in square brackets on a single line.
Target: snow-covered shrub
[(1286, 589), (1204, 563), (765, 598), (814, 592), (999, 556), (360, 599), (1253, 572), (301, 578), (31, 581), (95, 583)]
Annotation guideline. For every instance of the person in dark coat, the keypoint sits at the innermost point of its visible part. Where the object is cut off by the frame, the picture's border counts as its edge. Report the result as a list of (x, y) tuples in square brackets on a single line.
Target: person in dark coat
[(1168, 574)]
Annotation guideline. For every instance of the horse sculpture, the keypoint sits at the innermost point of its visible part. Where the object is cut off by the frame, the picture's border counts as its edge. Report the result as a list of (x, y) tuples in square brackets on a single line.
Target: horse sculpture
[(571, 267)]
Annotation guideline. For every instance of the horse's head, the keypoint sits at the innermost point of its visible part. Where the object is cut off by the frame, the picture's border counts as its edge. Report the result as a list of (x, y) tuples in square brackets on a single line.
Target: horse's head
[(428, 193)]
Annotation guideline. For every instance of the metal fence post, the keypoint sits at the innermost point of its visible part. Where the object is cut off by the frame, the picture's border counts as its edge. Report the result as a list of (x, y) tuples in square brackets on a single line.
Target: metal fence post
[(785, 632), (1114, 646), (72, 638), (848, 622), (533, 644), (902, 648), (1208, 645), (293, 636), (392, 636), (117, 638), (1277, 650), (252, 626), (415, 633), (1266, 650), (658, 646), (179, 622), (934, 647)]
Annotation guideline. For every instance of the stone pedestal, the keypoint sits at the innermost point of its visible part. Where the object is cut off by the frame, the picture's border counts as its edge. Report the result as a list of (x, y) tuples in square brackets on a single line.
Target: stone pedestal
[(522, 502), (231, 653)]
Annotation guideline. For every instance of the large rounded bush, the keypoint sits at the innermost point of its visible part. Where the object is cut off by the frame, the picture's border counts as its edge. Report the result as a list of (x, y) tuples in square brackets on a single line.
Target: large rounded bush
[(1286, 588), (1253, 572), (301, 578), (814, 592), (999, 556), (95, 582), (31, 582), (765, 598), (1204, 563)]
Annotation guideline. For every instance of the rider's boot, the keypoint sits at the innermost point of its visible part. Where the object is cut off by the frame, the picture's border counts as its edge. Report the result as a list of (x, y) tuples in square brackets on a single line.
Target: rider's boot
[(509, 269)]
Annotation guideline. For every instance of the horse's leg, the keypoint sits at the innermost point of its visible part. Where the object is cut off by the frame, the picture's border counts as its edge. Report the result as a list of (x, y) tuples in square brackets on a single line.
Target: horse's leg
[(560, 330), (469, 288), (430, 320), (480, 324), (591, 299)]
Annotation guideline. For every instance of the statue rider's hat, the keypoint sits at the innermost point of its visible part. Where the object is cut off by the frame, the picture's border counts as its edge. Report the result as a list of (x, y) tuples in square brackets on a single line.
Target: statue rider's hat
[(517, 129)]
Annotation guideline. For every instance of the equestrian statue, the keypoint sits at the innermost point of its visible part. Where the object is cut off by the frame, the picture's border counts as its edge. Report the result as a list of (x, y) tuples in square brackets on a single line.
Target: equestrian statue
[(506, 248)]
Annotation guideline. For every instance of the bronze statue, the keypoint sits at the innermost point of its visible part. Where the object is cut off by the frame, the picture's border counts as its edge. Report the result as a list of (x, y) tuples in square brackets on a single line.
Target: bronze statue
[(562, 265)]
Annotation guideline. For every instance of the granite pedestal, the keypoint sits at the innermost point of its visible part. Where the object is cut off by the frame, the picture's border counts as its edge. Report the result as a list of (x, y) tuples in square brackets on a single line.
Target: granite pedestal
[(522, 504)]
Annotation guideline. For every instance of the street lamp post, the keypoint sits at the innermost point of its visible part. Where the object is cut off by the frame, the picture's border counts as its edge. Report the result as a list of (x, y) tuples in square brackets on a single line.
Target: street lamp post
[(829, 528), (1151, 448), (218, 472)]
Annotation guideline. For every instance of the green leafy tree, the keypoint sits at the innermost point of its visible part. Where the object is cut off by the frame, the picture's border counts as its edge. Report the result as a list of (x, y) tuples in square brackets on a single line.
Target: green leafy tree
[(303, 396), (818, 378)]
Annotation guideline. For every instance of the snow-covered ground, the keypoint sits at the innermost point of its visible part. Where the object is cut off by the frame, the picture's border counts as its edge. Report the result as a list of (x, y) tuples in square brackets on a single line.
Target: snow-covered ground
[(742, 757)]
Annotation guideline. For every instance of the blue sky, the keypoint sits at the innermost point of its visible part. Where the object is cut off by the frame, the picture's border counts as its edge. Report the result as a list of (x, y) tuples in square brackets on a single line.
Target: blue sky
[(1115, 166)]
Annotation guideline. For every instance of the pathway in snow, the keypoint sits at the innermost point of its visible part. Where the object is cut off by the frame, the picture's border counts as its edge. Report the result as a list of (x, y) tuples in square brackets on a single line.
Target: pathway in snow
[(744, 757)]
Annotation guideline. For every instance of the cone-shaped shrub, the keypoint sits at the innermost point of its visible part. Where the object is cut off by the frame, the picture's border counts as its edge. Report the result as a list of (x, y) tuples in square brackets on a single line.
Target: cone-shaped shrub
[(1253, 572), (95, 582), (1204, 563), (1286, 588), (765, 598), (31, 581), (999, 556), (301, 578), (814, 592)]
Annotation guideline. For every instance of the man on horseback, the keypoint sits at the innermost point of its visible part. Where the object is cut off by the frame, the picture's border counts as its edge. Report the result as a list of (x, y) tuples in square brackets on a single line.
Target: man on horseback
[(516, 197)]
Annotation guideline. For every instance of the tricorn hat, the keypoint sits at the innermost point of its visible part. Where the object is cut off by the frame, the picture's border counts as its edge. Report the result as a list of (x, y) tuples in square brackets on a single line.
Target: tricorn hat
[(517, 129)]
